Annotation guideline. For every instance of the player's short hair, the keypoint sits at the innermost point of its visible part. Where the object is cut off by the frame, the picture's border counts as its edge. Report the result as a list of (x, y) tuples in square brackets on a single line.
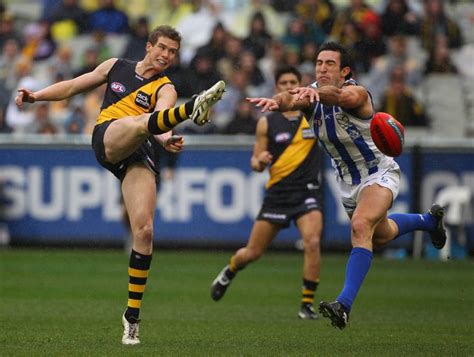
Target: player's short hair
[(164, 31), (346, 58), (284, 69)]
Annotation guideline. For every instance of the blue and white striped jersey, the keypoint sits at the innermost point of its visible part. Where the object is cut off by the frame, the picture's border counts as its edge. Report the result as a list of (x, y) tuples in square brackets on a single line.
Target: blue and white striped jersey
[(346, 138)]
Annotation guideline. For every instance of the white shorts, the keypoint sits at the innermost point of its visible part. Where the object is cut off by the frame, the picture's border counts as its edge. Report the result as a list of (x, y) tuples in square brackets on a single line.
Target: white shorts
[(388, 177)]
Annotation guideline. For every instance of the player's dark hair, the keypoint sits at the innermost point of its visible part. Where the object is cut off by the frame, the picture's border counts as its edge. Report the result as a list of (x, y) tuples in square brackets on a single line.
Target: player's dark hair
[(346, 58), (164, 31), (284, 69)]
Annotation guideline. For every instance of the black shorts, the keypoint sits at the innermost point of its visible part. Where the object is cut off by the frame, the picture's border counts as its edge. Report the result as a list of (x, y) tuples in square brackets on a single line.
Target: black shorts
[(146, 153), (284, 214)]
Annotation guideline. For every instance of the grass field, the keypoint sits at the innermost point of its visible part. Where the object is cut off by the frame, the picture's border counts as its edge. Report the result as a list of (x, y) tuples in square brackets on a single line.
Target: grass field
[(69, 303)]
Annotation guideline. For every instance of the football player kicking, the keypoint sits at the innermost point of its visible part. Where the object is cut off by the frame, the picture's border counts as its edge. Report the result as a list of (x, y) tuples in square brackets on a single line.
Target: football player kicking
[(340, 112), (136, 116), (285, 143)]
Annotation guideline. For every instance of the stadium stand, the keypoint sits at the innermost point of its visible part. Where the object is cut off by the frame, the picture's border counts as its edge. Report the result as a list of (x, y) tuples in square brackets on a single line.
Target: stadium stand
[(444, 100), (235, 17)]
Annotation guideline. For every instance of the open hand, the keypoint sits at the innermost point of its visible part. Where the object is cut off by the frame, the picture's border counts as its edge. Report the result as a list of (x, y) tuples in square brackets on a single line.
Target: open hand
[(267, 104), (305, 92)]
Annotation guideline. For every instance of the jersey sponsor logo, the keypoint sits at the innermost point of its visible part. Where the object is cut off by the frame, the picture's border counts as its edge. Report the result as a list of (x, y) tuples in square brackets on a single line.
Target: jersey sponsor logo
[(143, 100), (307, 133), (118, 87), (282, 137)]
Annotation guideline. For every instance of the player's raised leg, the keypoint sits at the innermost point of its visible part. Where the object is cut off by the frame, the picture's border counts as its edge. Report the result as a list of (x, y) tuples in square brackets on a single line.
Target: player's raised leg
[(398, 224), (124, 136)]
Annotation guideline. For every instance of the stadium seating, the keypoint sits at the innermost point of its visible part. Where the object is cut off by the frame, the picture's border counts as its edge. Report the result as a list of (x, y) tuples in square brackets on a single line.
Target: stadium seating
[(468, 87), (445, 104)]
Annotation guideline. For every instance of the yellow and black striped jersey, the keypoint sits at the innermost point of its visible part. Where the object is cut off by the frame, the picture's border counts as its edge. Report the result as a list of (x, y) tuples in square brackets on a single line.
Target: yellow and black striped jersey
[(129, 94), (295, 167)]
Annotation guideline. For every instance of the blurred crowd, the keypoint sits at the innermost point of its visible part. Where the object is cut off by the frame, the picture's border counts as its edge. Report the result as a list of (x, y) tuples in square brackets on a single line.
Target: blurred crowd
[(395, 45)]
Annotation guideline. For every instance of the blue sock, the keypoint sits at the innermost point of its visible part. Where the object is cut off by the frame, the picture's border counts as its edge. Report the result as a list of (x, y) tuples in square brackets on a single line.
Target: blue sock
[(357, 268), (409, 222)]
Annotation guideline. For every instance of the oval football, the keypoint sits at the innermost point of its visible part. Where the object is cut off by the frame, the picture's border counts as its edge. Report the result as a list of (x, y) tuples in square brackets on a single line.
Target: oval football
[(387, 134)]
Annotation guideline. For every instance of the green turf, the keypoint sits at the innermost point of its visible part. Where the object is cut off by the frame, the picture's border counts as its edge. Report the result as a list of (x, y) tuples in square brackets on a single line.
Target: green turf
[(69, 303)]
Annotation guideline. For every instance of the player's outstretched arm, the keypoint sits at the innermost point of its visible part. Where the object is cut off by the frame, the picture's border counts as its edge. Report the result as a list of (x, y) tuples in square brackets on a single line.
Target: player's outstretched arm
[(281, 102), (66, 89), (350, 97), (353, 97)]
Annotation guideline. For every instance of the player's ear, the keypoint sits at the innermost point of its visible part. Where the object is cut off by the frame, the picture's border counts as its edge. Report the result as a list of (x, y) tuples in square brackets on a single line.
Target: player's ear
[(345, 71), (148, 46)]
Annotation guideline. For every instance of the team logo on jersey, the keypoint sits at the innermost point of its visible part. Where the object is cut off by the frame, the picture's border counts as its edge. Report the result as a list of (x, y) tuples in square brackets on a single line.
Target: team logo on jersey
[(143, 100), (118, 87), (353, 133), (282, 137), (344, 121)]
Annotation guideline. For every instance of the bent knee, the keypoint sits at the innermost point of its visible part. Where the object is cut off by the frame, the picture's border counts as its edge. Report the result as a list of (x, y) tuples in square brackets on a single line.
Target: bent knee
[(362, 231), (361, 226), (254, 254)]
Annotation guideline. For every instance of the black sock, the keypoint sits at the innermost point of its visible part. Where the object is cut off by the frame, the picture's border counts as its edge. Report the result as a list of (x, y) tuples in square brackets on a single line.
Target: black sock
[(163, 121), (308, 290), (138, 269)]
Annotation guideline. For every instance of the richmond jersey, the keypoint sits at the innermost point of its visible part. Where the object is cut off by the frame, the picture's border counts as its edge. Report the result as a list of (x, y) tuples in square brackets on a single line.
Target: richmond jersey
[(129, 94), (346, 138), (295, 167)]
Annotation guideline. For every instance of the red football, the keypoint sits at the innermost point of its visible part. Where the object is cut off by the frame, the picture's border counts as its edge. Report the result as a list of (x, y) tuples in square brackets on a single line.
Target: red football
[(387, 134)]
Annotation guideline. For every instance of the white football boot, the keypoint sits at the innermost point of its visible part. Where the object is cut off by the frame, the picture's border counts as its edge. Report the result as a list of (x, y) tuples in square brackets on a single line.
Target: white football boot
[(130, 332), (204, 101)]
